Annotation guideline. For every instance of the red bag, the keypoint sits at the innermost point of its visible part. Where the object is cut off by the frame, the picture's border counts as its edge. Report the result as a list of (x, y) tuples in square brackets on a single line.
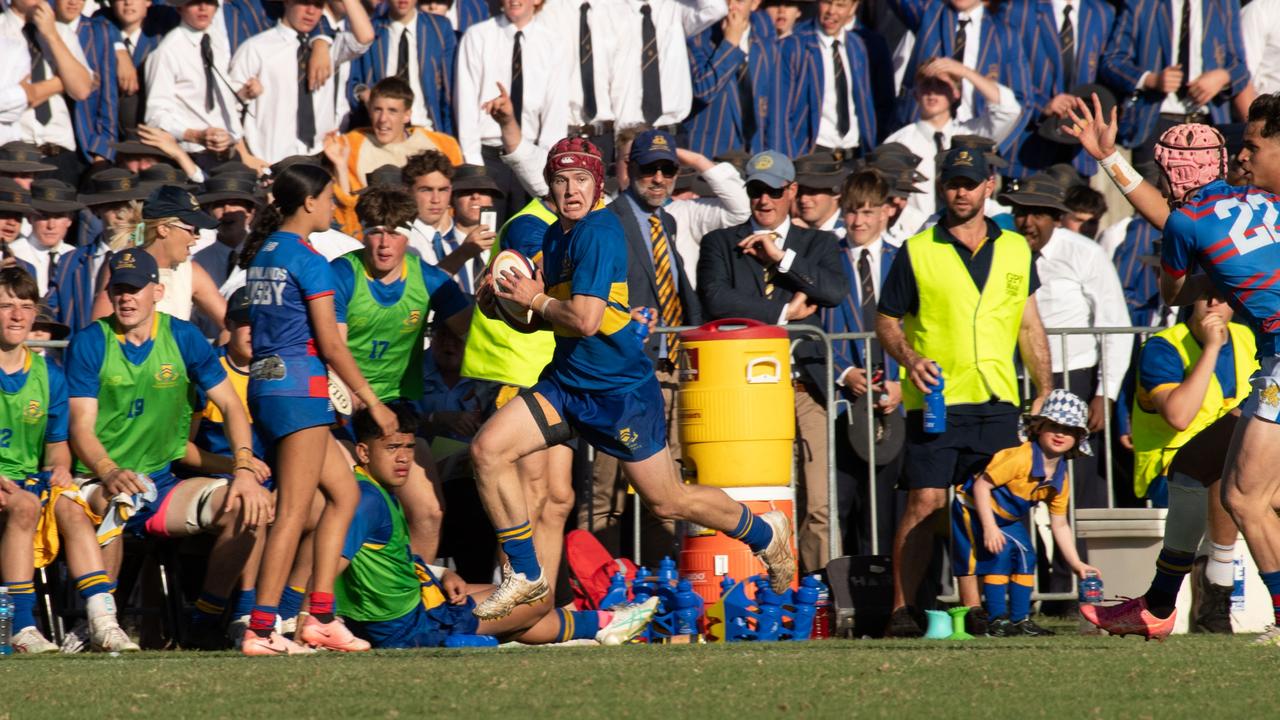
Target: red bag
[(591, 569)]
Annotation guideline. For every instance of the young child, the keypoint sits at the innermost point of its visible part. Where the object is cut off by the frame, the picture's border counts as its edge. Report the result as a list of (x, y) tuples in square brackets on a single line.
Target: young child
[(989, 532)]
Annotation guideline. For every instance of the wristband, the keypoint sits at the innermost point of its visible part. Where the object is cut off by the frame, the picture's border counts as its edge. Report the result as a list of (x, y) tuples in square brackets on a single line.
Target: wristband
[(1121, 172), (105, 467), (542, 309)]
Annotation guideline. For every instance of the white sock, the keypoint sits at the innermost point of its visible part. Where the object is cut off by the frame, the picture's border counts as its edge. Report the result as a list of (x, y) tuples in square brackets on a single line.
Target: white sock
[(1221, 569), (102, 605)]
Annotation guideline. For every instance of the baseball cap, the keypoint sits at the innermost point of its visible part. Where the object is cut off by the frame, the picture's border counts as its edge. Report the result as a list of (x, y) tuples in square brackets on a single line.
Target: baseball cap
[(653, 146), (238, 306), (172, 201), (965, 163), (771, 168), (133, 267)]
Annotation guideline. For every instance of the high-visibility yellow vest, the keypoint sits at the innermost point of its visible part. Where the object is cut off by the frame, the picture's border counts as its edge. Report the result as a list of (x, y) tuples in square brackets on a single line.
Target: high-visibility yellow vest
[(495, 351), (1155, 442), (971, 334)]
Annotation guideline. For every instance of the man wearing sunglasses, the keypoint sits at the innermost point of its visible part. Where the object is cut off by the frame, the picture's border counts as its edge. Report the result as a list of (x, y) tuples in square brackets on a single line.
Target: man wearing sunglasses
[(770, 270)]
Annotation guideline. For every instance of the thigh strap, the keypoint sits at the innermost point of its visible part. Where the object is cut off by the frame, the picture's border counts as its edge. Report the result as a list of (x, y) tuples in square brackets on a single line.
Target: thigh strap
[(555, 429)]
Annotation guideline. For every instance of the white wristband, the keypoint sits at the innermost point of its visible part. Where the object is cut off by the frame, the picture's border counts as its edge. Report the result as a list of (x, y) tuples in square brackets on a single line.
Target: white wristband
[(1121, 172)]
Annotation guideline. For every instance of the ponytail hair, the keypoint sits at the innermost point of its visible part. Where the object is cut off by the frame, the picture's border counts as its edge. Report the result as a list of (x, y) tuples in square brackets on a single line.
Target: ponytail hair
[(133, 230), (289, 191)]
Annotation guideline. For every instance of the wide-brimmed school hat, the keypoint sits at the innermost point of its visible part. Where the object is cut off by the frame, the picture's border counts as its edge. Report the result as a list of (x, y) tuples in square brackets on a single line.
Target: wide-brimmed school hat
[(230, 186), (13, 197), (21, 157), (1064, 408), (820, 171), (892, 150), (902, 182), (690, 180), (475, 178), (1051, 127), (1038, 191), (232, 167), (383, 176), (888, 432), (54, 196), (132, 144), (46, 322), (162, 174), (113, 185)]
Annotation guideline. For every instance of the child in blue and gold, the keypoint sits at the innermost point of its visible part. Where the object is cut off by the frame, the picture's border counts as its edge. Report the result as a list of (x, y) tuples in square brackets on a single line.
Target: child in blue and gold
[(989, 534)]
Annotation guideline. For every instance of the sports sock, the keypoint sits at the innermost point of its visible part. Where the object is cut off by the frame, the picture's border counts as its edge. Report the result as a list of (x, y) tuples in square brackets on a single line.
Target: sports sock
[(245, 600), (321, 606), (993, 595), (93, 583), (291, 601), (1020, 596), (579, 625), (1221, 569), (517, 543), (752, 530), (262, 619), (1171, 568), (209, 607), (1272, 581), (23, 595)]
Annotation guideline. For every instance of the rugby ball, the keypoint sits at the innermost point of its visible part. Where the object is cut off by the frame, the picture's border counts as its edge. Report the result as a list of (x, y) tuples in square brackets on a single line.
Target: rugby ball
[(511, 312), (339, 395)]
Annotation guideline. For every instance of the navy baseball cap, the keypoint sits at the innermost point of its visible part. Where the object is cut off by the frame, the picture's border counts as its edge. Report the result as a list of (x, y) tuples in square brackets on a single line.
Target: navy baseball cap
[(133, 267), (653, 146), (238, 306), (172, 201), (965, 163)]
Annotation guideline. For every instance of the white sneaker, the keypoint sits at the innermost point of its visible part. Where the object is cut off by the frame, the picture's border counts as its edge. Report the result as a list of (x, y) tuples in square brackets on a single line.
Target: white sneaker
[(515, 590), (236, 629), (1269, 636), (29, 640), (105, 635), (77, 639), (777, 558), (287, 628), (628, 621)]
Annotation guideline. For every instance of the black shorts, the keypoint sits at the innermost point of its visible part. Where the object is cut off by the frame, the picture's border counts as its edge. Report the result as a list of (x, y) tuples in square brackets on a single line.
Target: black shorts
[(945, 459)]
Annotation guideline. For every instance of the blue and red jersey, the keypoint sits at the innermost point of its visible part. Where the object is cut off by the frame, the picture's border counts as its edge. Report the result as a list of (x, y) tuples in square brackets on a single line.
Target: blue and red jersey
[(285, 275), (1233, 233)]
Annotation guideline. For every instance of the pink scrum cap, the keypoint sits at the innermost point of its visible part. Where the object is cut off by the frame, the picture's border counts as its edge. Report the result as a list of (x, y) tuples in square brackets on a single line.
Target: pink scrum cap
[(1191, 155)]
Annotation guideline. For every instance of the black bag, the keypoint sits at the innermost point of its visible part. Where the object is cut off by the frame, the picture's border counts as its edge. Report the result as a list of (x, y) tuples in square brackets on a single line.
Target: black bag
[(862, 594)]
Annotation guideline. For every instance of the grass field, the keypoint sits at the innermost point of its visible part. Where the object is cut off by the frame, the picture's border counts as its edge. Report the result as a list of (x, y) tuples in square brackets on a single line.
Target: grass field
[(1061, 677)]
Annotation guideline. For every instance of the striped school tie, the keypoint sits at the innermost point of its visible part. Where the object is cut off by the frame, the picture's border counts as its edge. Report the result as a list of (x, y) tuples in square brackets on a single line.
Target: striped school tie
[(770, 274), (668, 302)]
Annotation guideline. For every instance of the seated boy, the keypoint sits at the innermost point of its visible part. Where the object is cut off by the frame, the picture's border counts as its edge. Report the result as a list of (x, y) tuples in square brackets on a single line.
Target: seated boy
[(393, 600), (989, 533)]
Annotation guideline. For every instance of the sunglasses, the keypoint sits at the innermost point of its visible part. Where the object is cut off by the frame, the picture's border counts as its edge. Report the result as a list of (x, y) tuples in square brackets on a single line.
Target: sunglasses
[(756, 190), (668, 169)]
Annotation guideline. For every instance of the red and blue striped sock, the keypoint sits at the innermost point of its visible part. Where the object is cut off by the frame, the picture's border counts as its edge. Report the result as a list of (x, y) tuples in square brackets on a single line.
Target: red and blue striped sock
[(262, 619), (321, 606), (1272, 581)]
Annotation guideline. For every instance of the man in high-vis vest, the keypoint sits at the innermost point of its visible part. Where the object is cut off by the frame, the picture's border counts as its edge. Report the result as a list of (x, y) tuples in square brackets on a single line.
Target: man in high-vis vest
[(957, 302), (1191, 378)]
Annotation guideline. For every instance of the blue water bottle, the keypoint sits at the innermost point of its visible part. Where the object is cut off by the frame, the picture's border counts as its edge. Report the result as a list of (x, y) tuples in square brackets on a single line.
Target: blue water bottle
[(667, 573), (935, 407), (806, 608), (1090, 594), (642, 328), (617, 593), (688, 611), (6, 622)]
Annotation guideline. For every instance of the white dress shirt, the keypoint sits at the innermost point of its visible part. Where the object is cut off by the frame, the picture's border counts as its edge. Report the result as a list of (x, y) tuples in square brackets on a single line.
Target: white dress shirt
[(33, 252), (420, 116), (607, 42), (1171, 102), (422, 244), (176, 86), (15, 67), (58, 130), (834, 224), (1260, 23), (996, 123), (484, 60), (1059, 10), (828, 128), (270, 128), (673, 21), (1080, 288), (973, 40), (696, 218)]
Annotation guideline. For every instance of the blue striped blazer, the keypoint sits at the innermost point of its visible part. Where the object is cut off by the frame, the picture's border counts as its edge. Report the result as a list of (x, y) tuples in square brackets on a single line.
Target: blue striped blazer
[(1033, 21), (1142, 41), (847, 316), (1000, 55), (95, 119), (714, 125), (72, 287), (471, 12), (1141, 282), (804, 84), (437, 51)]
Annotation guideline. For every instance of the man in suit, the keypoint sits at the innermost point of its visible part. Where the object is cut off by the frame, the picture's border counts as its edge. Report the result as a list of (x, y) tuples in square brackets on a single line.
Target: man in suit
[(866, 256), (1182, 61), (770, 270), (737, 85), (830, 107), (656, 279), (966, 32), (407, 39), (1064, 42)]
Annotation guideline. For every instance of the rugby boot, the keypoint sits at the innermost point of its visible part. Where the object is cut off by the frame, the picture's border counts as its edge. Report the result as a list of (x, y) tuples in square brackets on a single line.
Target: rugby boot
[(515, 590), (1001, 627), (628, 621), (254, 645), (1211, 604), (331, 636), (902, 624), (977, 621), (76, 640), (777, 557), (29, 640), (1027, 626), (106, 635), (1130, 617), (1270, 636)]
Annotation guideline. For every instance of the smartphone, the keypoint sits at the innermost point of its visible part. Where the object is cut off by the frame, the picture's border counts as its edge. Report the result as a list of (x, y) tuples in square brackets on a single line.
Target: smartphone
[(489, 218)]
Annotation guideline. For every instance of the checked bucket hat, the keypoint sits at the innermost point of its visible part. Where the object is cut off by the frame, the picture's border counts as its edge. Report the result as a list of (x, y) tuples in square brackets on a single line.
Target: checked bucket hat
[(1064, 408)]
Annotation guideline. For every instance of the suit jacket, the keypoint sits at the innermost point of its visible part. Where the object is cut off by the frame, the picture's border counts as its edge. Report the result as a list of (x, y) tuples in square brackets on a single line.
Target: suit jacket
[(999, 55), (732, 285), (715, 122), (1142, 41), (95, 119), (642, 284), (72, 288), (1033, 21), (802, 63), (471, 12), (847, 316), (437, 48)]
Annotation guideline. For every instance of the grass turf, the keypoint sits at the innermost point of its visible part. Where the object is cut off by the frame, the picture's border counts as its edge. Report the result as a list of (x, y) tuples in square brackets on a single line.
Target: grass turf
[(1061, 677)]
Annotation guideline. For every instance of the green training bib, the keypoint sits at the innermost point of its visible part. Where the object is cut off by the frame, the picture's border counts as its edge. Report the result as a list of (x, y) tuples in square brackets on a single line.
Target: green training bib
[(24, 414), (386, 340)]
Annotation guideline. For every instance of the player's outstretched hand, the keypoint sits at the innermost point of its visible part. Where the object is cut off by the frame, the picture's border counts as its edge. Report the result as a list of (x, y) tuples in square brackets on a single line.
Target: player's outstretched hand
[(1096, 133)]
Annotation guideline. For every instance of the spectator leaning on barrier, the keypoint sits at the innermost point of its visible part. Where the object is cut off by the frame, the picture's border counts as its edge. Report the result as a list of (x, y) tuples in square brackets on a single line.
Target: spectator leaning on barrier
[(773, 271), (958, 300)]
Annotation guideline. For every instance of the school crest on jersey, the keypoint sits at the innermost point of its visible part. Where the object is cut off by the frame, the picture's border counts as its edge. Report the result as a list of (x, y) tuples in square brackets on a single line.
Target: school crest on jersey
[(413, 318), (33, 413), (629, 438), (167, 376)]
